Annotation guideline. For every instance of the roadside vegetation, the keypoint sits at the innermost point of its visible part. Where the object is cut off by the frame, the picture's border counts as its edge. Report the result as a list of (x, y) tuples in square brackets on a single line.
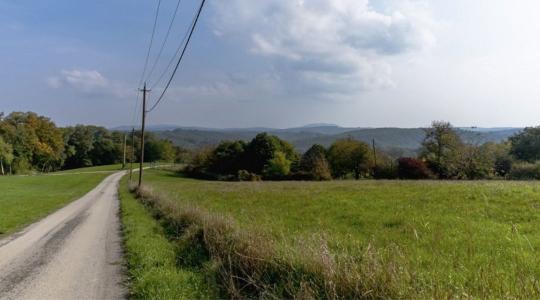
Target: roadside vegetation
[(354, 239), (152, 261), (26, 199)]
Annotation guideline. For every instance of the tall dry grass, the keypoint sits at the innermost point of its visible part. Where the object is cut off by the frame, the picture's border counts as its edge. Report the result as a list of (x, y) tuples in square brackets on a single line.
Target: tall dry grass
[(250, 264)]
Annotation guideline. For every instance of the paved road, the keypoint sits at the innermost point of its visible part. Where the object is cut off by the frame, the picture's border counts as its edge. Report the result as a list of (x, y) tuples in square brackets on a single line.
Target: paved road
[(75, 253)]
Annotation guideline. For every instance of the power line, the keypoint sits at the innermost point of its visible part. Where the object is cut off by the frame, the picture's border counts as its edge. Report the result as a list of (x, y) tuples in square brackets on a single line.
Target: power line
[(164, 41), (178, 49), (150, 44), (180, 58)]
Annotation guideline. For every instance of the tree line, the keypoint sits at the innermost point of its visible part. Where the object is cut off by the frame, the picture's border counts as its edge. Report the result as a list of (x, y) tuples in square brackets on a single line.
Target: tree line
[(443, 155), (33, 143)]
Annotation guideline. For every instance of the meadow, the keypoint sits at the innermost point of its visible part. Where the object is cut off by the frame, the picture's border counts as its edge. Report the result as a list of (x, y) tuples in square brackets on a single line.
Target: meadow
[(425, 239), (26, 199)]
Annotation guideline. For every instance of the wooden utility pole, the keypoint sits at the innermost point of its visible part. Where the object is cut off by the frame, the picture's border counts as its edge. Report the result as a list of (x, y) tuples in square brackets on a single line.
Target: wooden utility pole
[(374, 152), (132, 153), (144, 90), (124, 159)]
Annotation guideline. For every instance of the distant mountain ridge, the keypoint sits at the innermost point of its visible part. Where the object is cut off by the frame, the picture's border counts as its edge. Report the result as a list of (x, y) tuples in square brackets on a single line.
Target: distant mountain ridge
[(404, 141)]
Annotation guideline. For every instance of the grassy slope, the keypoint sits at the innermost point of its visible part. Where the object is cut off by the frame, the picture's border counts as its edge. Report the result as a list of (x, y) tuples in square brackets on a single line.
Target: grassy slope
[(151, 258), (478, 238), (116, 167), (24, 200)]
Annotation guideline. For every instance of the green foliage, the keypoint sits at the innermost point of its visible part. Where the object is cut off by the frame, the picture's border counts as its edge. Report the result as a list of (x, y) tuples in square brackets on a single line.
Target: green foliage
[(263, 148), (158, 150), (349, 156), (525, 171), (476, 163), (441, 149), (525, 145), (499, 154), (36, 141), (315, 164), (6, 155), (278, 167), (92, 146), (227, 158), (265, 154), (385, 170)]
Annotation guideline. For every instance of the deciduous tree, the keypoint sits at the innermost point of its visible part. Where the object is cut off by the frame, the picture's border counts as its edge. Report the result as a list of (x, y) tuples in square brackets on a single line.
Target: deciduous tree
[(441, 149), (349, 156)]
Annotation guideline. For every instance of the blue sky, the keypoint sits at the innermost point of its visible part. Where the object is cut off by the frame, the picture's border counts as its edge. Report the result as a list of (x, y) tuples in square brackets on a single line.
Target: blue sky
[(278, 63)]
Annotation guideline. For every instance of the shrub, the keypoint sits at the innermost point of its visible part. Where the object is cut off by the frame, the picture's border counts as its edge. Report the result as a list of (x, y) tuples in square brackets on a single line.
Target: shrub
[(199, 163), (525, 171), (412, 168), (385, 171), (503, 165), (313, 164), (244, 175)]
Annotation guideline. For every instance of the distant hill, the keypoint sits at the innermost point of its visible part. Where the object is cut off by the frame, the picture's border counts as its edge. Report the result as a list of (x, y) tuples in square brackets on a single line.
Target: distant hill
[(402, 141)]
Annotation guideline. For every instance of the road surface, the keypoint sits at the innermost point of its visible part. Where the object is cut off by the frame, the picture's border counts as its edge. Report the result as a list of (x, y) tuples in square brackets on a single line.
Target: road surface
[(74, 253)]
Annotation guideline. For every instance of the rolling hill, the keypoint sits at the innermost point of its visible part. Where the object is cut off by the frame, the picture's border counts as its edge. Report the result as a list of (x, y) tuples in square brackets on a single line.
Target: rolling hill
[(403, 141)]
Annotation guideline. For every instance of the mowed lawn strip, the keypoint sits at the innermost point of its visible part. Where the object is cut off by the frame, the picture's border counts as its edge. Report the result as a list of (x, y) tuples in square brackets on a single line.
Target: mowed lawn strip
[(26, 199), (454, 238), (151, 258)]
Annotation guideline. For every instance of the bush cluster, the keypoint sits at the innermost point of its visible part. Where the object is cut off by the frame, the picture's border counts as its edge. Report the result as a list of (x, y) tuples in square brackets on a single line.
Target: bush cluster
[(525, 171), (413, 168), (444, 155), (269, 157)]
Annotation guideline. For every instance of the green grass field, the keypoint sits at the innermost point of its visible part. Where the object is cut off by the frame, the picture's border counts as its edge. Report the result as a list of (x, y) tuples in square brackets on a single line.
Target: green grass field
[(26, 199), (447, 239)]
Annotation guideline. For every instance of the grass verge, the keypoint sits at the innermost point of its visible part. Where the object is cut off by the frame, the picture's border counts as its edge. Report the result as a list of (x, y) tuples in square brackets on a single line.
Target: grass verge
[(151, 259)]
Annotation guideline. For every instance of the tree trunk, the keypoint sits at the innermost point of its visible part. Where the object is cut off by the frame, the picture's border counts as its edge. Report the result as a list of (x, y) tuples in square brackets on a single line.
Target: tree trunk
[(2, 167)]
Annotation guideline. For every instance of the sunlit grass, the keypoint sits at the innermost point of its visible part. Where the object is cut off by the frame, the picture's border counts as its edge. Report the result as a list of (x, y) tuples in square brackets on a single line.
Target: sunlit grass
[(26, 199), (452, 238), (151, 258)]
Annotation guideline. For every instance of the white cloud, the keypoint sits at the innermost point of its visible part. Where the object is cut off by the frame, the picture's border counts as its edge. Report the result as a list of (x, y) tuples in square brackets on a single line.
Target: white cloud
[(337, 46), (88, 82)]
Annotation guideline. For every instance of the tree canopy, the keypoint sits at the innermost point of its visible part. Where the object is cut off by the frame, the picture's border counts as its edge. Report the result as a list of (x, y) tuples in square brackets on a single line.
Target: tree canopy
[(29, 142), (349, 156), (526, 144), (441, 149)]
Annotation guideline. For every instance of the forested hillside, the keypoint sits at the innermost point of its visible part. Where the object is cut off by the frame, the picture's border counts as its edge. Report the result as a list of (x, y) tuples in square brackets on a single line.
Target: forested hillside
[(406, 140)]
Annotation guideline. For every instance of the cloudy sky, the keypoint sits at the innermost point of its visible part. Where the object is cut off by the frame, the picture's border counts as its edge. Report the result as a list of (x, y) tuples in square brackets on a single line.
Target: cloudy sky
[(277, 63)]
